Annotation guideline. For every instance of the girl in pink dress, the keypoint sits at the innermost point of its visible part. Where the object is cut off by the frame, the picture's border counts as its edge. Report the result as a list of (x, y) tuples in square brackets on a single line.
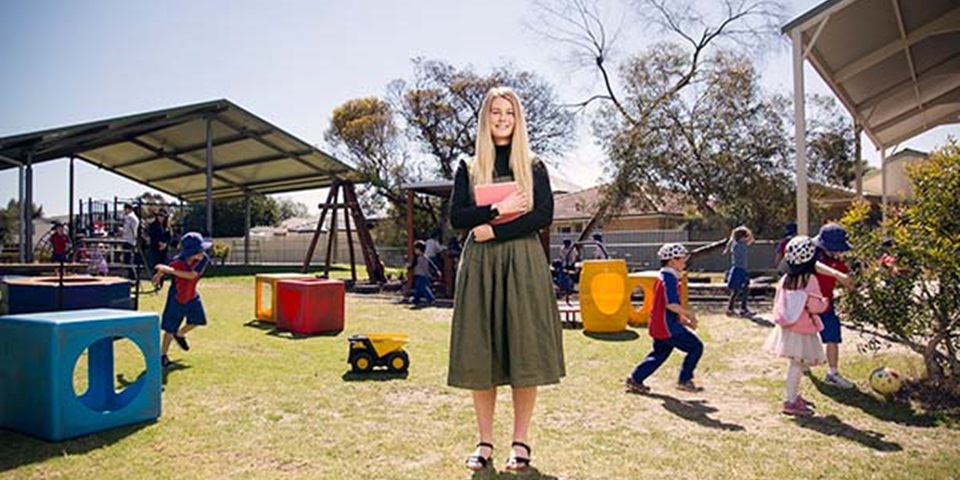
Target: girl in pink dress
[(796, 309)]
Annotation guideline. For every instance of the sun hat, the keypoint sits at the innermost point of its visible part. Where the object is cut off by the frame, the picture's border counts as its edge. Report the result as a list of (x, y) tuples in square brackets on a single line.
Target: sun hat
[(800, 254), (192, 243), (832, 238), (672, 250)]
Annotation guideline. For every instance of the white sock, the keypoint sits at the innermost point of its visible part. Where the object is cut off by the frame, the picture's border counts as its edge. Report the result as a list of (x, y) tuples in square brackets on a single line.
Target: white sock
[(832, 371), (794, 373)]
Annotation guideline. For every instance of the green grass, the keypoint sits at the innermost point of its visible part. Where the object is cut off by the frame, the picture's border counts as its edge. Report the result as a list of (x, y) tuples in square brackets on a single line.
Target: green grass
[(248, 402)]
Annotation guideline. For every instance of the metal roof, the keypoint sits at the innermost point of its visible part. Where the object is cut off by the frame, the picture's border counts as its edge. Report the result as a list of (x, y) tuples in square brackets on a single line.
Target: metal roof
[(166, 150), (895, 64)]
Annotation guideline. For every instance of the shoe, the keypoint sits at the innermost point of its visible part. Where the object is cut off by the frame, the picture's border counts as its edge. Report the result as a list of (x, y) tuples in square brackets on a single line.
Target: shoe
[(689, 386), (516, 463), (836, 380), (732, 313), (797, 408), (165, 361), (476, 461), (806, 402), (745, 313), (182, 342), (632, 386)]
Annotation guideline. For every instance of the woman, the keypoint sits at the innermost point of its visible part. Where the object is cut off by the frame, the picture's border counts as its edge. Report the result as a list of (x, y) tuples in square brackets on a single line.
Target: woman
[(506, 326), (159, 232)]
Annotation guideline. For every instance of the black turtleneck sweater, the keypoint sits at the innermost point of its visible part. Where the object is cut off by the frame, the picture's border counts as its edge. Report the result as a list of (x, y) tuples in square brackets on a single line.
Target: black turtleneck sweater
[(465, 214)]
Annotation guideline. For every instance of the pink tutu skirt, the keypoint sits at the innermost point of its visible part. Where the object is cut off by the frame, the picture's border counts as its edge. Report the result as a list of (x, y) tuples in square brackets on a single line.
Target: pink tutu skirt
[(801, 347)]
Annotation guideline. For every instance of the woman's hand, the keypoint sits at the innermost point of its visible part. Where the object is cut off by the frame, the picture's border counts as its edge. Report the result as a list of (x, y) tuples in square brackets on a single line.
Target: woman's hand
[(515, 202), (482, 233)]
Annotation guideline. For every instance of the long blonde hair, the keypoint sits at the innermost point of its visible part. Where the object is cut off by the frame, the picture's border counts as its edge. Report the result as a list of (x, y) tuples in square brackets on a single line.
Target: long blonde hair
[(521, 157)]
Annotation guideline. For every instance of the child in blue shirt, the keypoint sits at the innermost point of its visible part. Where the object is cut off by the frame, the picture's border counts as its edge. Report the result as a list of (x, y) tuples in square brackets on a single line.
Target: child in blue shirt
[(183, 300), (738, 277), (671, 325)]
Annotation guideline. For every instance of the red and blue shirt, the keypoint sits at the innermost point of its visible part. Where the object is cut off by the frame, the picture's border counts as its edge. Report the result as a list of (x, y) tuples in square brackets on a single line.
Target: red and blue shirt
[(60, 242), (664, 323), (827, 282), (184, 290)]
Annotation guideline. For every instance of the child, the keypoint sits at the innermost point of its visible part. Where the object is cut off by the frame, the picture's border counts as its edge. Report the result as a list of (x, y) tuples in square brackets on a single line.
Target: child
[(789, 231), (738, 278), (80, 253), (98, 261), (670, 325), (795, 307), (183, 300), (421, 274), (60, 243), (832, 241)]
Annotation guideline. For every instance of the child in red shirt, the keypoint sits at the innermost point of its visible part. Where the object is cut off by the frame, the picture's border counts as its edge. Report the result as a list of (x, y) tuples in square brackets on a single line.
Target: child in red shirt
[(183, 299), (832, 241), (60, 243)]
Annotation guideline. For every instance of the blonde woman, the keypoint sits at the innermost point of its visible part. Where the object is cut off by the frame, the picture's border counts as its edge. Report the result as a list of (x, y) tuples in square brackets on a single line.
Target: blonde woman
[(506, 327)]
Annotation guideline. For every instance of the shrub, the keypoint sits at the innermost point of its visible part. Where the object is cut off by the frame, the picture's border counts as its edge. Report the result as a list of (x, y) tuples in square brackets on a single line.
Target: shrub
[(908, 267)]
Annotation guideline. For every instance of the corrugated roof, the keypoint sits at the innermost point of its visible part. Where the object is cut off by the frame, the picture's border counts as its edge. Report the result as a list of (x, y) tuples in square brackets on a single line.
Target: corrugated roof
[(166, 150), (894, 64)]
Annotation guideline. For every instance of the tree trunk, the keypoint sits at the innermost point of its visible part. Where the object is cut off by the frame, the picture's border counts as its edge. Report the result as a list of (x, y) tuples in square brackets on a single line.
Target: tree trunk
[(930, 358)]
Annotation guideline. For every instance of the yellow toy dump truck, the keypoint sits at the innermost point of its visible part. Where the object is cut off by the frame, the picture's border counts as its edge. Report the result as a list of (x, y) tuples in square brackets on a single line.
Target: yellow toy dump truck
[(378, 350)]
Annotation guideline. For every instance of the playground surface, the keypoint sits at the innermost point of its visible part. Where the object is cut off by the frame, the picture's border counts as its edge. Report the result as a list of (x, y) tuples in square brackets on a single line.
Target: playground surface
[(249, 402)]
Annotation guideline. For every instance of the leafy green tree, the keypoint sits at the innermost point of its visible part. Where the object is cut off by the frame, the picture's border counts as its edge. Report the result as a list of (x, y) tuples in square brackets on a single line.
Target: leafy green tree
[(909, 267), (10, 220), (228, 215), (291, 209)]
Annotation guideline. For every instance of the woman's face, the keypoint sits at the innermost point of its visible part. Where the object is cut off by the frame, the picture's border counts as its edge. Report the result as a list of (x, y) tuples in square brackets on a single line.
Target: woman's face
[(502, 120)]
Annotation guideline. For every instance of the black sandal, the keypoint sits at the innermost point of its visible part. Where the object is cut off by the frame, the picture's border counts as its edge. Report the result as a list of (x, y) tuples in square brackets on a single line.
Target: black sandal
[(519, 463), (479, 462)]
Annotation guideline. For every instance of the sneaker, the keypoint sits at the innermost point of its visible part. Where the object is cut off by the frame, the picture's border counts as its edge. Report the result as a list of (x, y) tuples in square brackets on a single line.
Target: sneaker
[(746, 313), (806, 402), (634, 387), (836, 380), (689, 386), (165, 361), (797, 408), (731, 313), (182, 342)]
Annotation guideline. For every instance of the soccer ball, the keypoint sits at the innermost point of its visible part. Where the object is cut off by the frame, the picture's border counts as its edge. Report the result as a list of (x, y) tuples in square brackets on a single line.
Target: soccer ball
[(885, 381)]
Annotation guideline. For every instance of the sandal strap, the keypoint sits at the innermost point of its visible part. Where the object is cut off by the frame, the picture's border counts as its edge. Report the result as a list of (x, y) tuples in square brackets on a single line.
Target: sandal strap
[(524, 445), (485, 444)]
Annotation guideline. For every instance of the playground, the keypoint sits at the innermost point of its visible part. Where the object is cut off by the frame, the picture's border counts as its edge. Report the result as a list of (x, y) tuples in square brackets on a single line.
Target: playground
[(252, 402)]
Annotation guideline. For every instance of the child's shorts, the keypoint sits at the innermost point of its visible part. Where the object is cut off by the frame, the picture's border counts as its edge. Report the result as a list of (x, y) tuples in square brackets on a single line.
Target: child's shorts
[(737, 278), (831, 327), (174, 313), (59, 257)]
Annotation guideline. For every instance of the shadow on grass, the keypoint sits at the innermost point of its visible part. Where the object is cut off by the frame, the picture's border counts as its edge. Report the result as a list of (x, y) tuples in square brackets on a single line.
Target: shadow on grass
[(260, 325), (374, 376), (898, 412), (833, 426), (624, 336), (300, 336), (694, 411), (19, 449), (530, 473), (758, 320), (173, 367)]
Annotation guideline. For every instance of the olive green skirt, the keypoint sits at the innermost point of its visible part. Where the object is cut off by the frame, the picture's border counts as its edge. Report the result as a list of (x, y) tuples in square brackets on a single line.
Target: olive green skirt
[(506, 326)]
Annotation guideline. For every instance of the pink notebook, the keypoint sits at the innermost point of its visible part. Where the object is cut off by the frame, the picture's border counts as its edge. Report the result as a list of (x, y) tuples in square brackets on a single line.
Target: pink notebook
[(491, 193)]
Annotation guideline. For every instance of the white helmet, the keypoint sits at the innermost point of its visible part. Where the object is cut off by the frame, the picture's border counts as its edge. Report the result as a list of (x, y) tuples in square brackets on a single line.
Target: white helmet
[(800, 250), (672, 250)]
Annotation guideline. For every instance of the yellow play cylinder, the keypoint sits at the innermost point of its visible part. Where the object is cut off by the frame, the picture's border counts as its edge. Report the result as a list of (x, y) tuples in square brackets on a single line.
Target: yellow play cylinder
[(604, 296)]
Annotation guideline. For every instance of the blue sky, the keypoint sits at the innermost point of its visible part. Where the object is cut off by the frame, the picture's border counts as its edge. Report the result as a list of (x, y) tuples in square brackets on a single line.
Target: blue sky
[(290, 62)]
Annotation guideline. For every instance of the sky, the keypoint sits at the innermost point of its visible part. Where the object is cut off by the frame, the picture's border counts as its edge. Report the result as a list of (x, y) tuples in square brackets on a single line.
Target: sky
[(289, 61)]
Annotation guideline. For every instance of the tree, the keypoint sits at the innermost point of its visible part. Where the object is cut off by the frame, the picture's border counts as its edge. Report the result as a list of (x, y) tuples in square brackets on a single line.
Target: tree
[(291, 209), (228, 215), (913, 295), (669, 85), (435, 114), (10, 220)]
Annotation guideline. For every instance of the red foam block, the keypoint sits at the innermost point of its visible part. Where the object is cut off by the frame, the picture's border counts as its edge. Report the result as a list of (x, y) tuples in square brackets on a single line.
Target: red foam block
[(310, 306)]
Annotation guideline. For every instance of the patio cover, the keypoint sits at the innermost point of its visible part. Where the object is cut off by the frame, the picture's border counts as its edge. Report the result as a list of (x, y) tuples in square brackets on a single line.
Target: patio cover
[(894, 64), (167, 150)]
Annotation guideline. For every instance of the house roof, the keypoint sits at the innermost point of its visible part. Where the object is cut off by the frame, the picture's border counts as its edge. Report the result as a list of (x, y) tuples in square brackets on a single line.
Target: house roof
[(583, 204), (166, 150), (894, 64)]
